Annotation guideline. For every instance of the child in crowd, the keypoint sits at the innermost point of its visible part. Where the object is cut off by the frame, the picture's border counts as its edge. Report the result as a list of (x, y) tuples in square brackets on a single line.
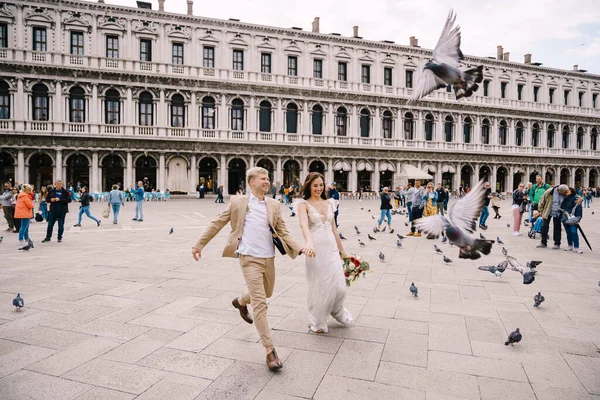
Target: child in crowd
[(536, 224)]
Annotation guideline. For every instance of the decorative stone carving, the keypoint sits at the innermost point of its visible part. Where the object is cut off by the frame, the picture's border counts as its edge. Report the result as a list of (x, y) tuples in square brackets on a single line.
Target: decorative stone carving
[(145, 28), (38, 15), (112, 23), (178, 31)]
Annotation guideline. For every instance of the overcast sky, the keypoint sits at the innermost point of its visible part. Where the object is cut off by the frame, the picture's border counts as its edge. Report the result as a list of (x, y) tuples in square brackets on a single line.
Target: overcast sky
[(558, 33)]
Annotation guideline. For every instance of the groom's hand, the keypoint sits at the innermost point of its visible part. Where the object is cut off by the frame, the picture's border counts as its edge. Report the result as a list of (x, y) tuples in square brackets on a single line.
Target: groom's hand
[(196, 253)]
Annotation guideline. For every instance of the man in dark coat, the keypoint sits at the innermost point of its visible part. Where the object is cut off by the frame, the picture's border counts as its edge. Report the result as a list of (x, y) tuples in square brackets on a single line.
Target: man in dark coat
[(59, 199)]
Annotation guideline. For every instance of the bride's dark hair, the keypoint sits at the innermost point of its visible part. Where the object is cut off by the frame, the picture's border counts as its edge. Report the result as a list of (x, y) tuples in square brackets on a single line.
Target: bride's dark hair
[(308, 183)]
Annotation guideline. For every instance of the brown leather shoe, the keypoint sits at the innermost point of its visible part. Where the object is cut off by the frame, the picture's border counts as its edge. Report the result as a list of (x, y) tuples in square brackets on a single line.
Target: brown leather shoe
[(243, 311), (273, 361)]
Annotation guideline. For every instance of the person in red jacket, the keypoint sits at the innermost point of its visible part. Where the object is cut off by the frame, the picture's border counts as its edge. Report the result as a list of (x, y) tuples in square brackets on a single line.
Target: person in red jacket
[(23, 211)]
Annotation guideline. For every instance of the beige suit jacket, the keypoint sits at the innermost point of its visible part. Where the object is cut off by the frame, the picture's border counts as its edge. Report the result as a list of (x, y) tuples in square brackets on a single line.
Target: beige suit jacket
[(235, 214)]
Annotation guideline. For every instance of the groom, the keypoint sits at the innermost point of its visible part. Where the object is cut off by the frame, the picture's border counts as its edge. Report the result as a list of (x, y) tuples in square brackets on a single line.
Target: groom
[(252, 216)]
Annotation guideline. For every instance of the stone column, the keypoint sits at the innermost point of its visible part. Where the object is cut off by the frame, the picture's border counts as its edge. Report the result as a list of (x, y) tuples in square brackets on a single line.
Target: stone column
[(586, 177), (278, 173), (129, 111), (476, 133), (493, 177), (353, 179), (223, 171), (20, 175), (377, 178), (94, 184), (377, 124), (223, 121), (420, 127), (57, 115), (456, 177), (252, 120), (494, 134), (329, 128), (304, 171), (305, 120), (511, 179), (572, 177), (193, 178), (100, 183), (161, 114), (438, 174), (459, 135), (58, 166), (438, 131), (94, 106), (329, 172), (161, 172), (277, 120), (129, 178)]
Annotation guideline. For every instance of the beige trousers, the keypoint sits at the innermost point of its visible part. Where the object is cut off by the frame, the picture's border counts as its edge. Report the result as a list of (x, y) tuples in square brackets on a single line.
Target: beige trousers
[(260, 280)]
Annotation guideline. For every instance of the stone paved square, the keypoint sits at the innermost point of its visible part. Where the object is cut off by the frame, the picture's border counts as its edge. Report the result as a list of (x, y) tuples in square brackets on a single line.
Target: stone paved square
[(124, 312)]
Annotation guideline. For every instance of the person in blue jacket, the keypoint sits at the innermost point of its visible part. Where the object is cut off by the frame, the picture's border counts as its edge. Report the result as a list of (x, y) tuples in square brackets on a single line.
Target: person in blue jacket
[(138, 195)]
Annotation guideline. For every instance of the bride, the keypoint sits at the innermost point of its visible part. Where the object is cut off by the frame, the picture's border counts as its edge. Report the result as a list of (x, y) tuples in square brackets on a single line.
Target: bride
[(324, 270)]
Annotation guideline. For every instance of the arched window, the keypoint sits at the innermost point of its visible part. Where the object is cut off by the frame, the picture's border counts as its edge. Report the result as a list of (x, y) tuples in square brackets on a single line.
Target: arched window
[(594, 139), (580, 136), (467, 128), (341, 122), (41, 104), (566, 135), (448, 129), (112, 107), (291, 118), (317, 120), (177, 111), (485, 131), (519, 134), (502, 133), (208, 113), (409, 126), (365, 123), (264, 116), (535, 135), (551, 131), (386, 124), (429, 127), (4, 100), (146, 109), (76, 104), (237, 115)]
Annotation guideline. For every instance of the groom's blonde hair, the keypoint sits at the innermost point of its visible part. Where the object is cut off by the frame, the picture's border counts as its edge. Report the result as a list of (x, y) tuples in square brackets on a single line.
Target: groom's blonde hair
[(254, 172)]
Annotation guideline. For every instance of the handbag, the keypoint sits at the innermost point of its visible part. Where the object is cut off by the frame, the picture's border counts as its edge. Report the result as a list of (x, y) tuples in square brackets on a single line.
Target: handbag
[(106, 212), (38, 217), (277, 242)]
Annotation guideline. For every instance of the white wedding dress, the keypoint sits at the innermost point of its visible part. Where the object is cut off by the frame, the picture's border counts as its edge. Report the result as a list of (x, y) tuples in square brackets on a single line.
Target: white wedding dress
[(324, 273)]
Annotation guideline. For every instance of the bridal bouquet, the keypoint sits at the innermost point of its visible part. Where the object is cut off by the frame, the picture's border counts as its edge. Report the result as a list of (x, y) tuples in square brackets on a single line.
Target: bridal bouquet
[(354, 267)]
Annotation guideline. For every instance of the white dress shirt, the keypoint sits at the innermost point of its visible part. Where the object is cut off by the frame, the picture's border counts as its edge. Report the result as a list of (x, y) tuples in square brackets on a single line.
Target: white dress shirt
[(257, 240)]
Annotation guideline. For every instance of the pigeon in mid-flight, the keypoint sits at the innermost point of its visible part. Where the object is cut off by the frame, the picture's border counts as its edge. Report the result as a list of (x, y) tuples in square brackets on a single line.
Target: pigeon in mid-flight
[(515, 265), (491, 269), (538, 299), (444, 70), (481, 236), (414, 290), (514, 337), (533, 264), (460, 223), (18, 301)]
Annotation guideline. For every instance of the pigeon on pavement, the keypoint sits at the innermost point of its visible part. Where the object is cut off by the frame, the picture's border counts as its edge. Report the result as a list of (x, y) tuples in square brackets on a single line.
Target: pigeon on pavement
[(361, 243), (398, 243), (1, 239), (356, 229), (383, 230), (443, 70), (342, 236), (498, 240), (381, 256), (514, 337), (28, 246), (508, 225), (406, 224), (447, 260), (504, 251), (171, 231), (370, 237), (460, 223), (400, 236), (437, 249), (538, 299), (391, 231), (444, 239), (414, 290), (18, 301), (481, 236)]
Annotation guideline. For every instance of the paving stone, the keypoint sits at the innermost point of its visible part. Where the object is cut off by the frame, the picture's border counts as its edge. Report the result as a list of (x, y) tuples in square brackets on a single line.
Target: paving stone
[(180, 306), (408, 348), (28, 385), (99, 393), (357, 359), (248, 332), (307, 341), (21, 357), (449, 338), (477, 366), (427, 380), (48, 337), (502, 389), (485, 329), (117, 376), (81, 317), (550, 369), (394, 325), (243, 351), (201, 336), (132, 312), (546, 392), (380, 308), (188, 363), (141, 346), (301, 374), (176, 386), (587, 370), (338, 387), (73, 356), (240, 381), (172, 322)]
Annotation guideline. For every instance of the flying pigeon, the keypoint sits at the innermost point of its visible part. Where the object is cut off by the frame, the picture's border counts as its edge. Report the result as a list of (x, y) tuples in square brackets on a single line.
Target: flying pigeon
[(481, 236), (370, 237), (514, 337), (383, 230), (504, 251), (1, 239), (171, 231), (444, 239), (461, 221), (381, 256), (447, 260), (398, 243), (400, 236), (592, 212), (498, 240), (538, 299), (443, 70), (406, 224), (414, 290), (362, 208), (372, 217), (528, 274), (342, 236), (491, 269), (361, 243), (533, 264), (18, 301), (356, 229), (437, 249), (369, 210)]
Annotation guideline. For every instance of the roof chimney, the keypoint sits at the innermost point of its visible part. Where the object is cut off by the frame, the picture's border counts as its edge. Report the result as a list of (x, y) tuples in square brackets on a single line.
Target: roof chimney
[(528, 58), (315, 25), (161, 5), (414, 42), (505, 56), (575, 67), (499, 53), (190, 5), (355, 31)]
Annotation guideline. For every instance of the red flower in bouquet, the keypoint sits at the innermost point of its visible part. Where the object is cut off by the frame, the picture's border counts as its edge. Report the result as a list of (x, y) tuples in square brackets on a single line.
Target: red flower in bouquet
[(354, 267)]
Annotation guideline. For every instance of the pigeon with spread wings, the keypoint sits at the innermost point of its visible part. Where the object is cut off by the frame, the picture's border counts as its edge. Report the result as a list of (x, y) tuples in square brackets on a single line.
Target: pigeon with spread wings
[(460, 223), (444, 70)]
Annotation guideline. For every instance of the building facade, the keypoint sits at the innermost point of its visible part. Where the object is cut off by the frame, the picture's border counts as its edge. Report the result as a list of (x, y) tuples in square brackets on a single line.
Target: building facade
[(105, 94)]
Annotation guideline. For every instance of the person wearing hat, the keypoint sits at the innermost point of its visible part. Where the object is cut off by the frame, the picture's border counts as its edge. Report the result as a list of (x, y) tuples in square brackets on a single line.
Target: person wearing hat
[(332, 193)]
